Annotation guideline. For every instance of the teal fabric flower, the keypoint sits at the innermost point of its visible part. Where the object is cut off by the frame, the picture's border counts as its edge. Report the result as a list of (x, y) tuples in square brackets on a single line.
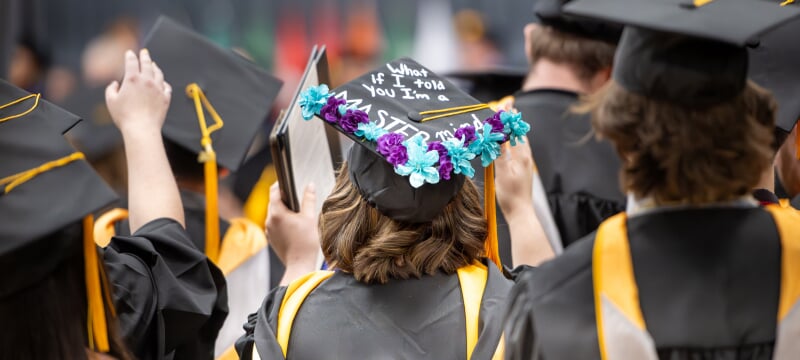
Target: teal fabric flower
[(420, 165), (460, 156), (514, 127), (369, 131), (313, 99), (487, 143)]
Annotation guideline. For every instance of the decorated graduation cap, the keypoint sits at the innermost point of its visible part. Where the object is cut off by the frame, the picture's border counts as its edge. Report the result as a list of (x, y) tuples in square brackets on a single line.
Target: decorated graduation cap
[(773, 65), (549, 13), (417, 135), (219, 101), (690, 52), (45, 186)]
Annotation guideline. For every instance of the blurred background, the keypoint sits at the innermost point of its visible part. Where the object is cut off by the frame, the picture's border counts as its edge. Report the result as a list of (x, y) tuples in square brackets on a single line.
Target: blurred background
[(57, 46)]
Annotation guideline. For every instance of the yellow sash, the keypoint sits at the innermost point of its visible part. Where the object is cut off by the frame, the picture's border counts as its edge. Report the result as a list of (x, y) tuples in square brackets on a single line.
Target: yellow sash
[(621, 329), (472, 279)]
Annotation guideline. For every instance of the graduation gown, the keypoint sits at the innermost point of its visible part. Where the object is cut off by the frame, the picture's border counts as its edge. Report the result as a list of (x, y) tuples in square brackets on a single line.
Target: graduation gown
[(403, 319), (248, 281), (707, 289), (170, 299), (580, 174)]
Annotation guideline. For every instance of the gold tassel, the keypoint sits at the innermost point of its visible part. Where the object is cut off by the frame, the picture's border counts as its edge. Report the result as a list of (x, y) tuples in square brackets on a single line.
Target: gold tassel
[(96, 323), (209, 159), (489, 205)]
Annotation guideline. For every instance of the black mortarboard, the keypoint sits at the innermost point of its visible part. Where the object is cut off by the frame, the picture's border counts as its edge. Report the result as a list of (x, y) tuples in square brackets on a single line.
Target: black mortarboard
[(96, 135), (41, 111), (219, 101), (46, 186), (489, 85), (241, 92), (417, 133), (773, 65), (549, 13), (683, 51)]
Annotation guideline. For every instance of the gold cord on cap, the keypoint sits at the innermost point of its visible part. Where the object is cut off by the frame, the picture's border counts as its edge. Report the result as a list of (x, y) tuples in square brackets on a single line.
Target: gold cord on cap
[(26, 112), (452, 111), (96, 325), (209, 159), (12, 181)]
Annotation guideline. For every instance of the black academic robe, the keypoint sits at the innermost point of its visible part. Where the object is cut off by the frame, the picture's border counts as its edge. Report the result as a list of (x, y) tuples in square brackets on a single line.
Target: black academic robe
[(708, 284), (579, 173), (170, 299), (403, 319), (194, 211)]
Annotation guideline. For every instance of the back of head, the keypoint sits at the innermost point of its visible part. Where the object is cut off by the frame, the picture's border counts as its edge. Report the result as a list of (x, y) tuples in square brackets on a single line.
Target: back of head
[(587, 46), (680, 154), (585, 56), (47, 320), (358, 239), (184, 163)]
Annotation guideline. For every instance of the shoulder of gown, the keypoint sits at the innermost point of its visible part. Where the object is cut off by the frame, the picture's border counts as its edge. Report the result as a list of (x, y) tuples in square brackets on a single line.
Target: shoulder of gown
[(171, 300)]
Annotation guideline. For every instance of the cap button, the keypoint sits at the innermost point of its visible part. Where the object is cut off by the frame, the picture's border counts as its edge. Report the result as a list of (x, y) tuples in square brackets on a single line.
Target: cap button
[(415, 116)]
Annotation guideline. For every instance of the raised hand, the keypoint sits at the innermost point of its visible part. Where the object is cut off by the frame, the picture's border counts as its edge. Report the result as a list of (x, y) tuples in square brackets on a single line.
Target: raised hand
[(142, 100)]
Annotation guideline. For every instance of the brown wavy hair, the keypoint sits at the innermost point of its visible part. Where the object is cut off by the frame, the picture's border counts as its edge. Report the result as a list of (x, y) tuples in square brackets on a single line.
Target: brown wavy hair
[(358, 239), (688, 155), (585, 56)]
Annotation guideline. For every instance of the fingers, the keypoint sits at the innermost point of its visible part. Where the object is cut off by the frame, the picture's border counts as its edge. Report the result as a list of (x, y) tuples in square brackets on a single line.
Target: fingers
[(309, 204), (274, 192), (146, 64), (131, 66), (112, 90), (158, 75)]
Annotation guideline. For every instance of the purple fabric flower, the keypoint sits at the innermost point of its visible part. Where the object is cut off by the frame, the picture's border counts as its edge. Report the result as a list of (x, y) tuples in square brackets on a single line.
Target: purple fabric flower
[(445, 166), (466, 133), (437, 145), (350, 120), (391, 146), (330, 111), (496, 122)]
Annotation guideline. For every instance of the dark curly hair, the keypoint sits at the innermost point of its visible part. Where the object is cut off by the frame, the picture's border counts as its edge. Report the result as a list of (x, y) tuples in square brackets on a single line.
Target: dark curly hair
[(687, 155), (358, 239)]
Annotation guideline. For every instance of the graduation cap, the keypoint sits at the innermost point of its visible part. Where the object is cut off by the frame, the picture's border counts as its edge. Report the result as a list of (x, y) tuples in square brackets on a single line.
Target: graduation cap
[(235, 93), (17, 103), (46, 186), (97, 135), (549, 13), (684, 51), (489, 85), (773, 65), (416, 133)]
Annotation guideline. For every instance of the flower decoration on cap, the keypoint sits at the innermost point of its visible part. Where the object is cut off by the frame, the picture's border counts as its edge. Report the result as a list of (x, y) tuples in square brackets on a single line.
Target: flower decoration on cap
[(332, 111), (312, 100), (487, 143), (422, 162), (460, 156), (420, 165), (370, 131), (514, 127)]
